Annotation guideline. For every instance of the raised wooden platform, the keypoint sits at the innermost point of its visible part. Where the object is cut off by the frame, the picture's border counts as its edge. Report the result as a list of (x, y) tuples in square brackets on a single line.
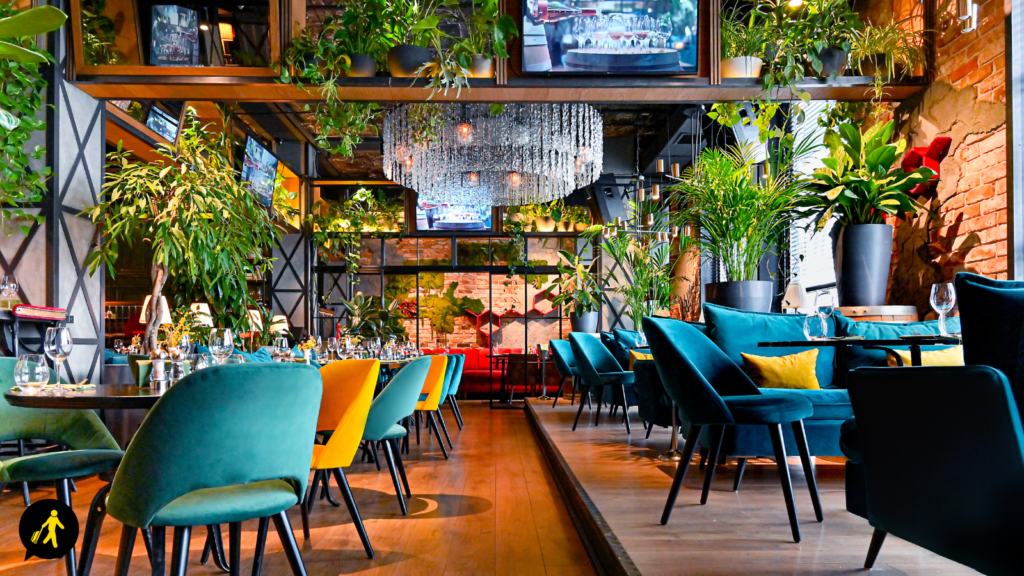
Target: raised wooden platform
[(615, 490)]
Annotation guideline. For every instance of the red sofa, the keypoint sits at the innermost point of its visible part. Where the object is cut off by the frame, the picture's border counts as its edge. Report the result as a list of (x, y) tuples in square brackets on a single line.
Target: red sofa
[(476, 374)]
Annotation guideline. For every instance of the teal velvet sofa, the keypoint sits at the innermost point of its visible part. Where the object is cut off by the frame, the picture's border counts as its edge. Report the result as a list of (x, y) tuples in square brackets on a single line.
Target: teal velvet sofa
[(737, 332)]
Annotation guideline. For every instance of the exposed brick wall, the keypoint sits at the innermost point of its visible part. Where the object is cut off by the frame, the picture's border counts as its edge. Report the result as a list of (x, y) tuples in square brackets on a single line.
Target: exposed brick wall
[(966, 228)]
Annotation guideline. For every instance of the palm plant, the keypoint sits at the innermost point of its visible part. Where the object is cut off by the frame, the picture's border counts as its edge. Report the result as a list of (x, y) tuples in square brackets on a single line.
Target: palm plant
[(740, 214), (860, 183)]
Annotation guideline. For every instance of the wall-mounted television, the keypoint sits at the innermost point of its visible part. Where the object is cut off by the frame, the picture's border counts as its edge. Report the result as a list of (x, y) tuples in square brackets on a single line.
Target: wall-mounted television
[(657, 37), (431, 217), (259, 169), (161, 122)]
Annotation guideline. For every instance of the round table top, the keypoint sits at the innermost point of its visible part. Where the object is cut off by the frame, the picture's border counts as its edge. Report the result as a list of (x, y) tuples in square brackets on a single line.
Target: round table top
[(103, 396)]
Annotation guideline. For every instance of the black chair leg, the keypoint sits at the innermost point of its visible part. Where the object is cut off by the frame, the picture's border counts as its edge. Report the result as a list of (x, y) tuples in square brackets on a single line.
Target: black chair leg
[(458, 411), (431, 424), (455, 413), (179, 550), (684, 465), (559, 392), (580, 411), (741, 467), (416, 416), (401, 467), (93, 525), (600, 399), (376, 457), (444, 428), (306, 505), (877, 539), (575, 382), (805, 459), (394, 478), (625, 411), (353, 511), (291, 548), (325, 491), (124, 550), (235, 548), (64, 495), (716, 445), (208, 545), (24, 485), (649, 428), (311, 498), (158, 556), (261, 543), (787, 484)]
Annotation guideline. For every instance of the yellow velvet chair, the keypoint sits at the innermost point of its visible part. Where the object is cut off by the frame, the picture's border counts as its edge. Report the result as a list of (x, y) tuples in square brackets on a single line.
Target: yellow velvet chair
[(430, 396), (348, 392)]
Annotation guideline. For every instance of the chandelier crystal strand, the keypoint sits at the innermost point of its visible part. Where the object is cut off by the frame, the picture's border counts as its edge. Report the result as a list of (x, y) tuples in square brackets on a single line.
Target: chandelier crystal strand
[(528, 154)]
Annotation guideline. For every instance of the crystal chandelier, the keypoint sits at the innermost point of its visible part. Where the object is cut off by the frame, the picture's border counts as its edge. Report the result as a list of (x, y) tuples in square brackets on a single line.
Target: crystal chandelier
[(526, 154)]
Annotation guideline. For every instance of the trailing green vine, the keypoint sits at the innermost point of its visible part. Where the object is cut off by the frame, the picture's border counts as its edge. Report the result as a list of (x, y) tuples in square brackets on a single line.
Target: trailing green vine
[(338, 227)]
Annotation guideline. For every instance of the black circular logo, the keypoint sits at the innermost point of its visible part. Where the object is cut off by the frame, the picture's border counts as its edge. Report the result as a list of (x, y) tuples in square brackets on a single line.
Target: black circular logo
[(48, 529)]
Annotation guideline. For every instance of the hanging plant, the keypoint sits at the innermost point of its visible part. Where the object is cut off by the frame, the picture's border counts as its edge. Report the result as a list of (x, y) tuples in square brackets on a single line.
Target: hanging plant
[(338, 227)]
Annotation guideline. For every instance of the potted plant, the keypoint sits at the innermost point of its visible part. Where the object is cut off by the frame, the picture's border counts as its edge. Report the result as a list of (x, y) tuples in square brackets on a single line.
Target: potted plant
[(208, 232), (740, 215), (743, 39), (412, 27), (487, 33), (358, 33), (579, 292), (861, 185), (829, 27), (368, 319), (887, 52)]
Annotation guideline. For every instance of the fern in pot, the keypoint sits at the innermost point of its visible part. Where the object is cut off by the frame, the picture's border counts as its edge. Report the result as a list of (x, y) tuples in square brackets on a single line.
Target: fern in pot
[(579, 292), (889, 52), (741, 215), (861, 186), (743, 39), (487, 33)]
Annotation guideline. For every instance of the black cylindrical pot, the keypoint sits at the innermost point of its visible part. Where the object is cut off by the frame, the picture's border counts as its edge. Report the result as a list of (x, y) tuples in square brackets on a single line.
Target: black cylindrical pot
[(584, 322), (862, 254), (750, 295), (405, 60), (362, 66), (833, 60)]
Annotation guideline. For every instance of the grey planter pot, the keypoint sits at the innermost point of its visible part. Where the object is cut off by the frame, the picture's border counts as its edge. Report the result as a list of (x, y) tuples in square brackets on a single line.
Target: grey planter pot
[(405, 60), (584, 322), (481, 67), (862, 254), (833, 60), (750, 295), (362, 66)]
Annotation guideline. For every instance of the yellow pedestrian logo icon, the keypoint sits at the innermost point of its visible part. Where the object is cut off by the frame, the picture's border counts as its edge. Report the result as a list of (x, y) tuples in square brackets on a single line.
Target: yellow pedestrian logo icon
[(51, 524), (48, 529)]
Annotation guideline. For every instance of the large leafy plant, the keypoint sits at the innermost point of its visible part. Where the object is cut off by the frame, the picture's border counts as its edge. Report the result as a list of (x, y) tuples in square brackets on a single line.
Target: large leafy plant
[(579, 287), (442, 309), (369, 319), (338, 227), (487, 31), (22, 96), (860, 182), (743, 34), (207, 231), (740, 214)]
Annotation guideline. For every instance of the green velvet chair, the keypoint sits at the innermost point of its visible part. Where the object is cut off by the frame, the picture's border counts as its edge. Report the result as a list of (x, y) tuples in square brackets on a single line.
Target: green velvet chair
[(396, 402), (714, 393), (598, 368), (561, 350), (453, 388), (91, 448), (225, 444), (916, 487)]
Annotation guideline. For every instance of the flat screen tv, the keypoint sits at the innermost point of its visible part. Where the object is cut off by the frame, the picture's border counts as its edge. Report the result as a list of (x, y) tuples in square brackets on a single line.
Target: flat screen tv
[(174, 36), (656, 37), (259, 169), (162, 123), (432, 217)]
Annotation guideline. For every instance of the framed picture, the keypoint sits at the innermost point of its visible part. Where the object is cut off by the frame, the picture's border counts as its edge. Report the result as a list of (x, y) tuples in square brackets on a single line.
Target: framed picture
[(174, 37), (642, 37)]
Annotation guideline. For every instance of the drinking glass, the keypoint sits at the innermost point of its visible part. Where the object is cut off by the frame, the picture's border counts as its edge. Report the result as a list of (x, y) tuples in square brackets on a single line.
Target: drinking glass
[(57, 345), (119, 346), (942, 300), (815, 326), (198, 361), (579, 31), (643, 31), (824, 303), (31, 373), (222, 343), (9, 288), (332, 346), (665, 29), (601, 32), (234, 359), (616, 31)]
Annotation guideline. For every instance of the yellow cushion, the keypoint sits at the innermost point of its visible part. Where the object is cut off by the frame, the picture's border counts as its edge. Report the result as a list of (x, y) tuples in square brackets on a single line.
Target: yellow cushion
[(795, 371), (634, 356), (946, 357)]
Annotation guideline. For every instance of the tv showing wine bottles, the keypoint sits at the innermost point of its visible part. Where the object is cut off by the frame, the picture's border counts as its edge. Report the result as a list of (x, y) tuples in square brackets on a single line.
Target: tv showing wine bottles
[(655, 37)]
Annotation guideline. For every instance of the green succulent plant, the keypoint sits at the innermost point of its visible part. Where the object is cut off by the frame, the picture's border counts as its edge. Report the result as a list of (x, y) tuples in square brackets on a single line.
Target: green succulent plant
[(369, 319)]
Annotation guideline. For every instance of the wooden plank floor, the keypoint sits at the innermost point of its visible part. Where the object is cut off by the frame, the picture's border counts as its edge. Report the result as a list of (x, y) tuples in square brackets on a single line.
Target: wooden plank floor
[(736, 533), (492, 509)]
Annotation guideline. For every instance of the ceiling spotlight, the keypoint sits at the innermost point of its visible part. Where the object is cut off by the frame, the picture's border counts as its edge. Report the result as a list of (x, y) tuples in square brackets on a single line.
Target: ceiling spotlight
[(675, 170), (659, 166), (204, 26), (640, 195)]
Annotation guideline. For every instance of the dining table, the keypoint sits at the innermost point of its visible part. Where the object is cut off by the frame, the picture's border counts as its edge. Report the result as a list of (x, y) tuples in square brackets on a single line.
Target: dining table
[(888, 345)]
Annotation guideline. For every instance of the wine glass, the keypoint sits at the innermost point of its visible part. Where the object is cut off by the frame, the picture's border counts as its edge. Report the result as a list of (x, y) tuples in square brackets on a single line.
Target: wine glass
[(616, 30), (57, 345), (942, 300), (9, 288), (332, 346), (222, 343), (815, 326), (31, 373), (665, 29), (824, 303), (600, 32), (579, 31), (119, 346)]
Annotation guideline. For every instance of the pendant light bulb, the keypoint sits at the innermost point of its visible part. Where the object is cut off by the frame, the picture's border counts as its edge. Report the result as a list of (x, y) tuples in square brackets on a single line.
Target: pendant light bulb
[(640, 195), (656, 192), (675, 232), (675, 170), (650, 219), (465, 132), (659, 166)]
